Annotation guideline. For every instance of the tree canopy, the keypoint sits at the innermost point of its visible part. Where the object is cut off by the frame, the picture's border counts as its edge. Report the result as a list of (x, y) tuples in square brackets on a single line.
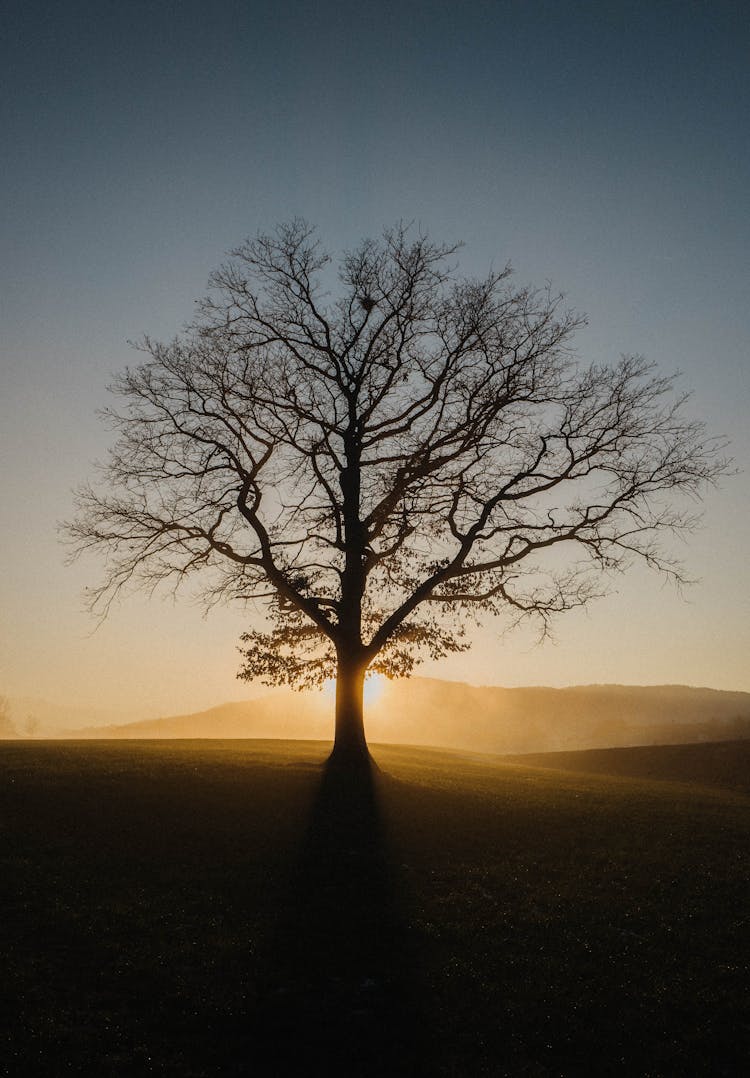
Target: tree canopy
[(380, 452)]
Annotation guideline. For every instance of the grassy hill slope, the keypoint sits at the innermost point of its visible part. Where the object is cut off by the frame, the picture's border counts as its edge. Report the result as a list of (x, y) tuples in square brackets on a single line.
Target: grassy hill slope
[(723, 764), (223, 908)]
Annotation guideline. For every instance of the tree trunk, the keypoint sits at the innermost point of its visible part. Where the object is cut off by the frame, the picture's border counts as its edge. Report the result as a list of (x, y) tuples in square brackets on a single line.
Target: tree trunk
[(350, 743)]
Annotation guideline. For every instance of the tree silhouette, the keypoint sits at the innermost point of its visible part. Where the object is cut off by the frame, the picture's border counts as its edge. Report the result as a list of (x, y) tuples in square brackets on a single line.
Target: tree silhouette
[(7, 726), (380, 455)]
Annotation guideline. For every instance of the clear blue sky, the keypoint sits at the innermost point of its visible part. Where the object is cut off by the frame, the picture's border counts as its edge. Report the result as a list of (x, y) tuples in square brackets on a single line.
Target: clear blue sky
[(603, 146)]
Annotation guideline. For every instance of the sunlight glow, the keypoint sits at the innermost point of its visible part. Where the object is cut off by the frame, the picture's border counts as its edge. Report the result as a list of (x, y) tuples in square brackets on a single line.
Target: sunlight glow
[(374, 685)]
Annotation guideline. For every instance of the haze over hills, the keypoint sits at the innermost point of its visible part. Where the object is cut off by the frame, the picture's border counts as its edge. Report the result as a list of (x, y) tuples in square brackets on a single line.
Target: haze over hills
[(47, 718), (425, 711)]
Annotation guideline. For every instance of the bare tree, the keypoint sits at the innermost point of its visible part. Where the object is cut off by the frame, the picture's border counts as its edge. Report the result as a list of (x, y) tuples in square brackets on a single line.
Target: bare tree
[(380, 455), (7, 726)]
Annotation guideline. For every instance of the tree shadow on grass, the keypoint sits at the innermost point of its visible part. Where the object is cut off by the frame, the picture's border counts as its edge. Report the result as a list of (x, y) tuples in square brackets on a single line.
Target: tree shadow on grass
[(339, 992)]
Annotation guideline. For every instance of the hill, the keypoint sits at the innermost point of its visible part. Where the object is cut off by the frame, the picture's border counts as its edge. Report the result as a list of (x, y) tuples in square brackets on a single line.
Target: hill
[(489, 719), (224, 907), (721, 764)]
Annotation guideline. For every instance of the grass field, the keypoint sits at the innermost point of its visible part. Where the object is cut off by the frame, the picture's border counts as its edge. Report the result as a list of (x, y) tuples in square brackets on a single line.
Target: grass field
[(231, 908)]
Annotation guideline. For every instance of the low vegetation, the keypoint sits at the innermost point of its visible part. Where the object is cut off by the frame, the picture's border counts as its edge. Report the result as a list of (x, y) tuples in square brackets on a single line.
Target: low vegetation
[(208, 908)]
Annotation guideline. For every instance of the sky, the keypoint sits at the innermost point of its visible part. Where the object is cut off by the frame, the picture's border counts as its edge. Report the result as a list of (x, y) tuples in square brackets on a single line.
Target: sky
[(600, 146)]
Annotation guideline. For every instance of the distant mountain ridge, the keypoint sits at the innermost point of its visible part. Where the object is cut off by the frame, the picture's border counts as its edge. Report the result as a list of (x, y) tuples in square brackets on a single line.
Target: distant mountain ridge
[(425, 711)]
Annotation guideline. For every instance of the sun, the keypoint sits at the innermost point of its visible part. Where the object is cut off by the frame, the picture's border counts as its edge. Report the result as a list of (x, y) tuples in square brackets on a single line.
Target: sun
[(374, 685)]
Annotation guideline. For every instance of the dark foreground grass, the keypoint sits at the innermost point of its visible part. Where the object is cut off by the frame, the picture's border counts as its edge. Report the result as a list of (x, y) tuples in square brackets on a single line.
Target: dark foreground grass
[(231, 908)]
